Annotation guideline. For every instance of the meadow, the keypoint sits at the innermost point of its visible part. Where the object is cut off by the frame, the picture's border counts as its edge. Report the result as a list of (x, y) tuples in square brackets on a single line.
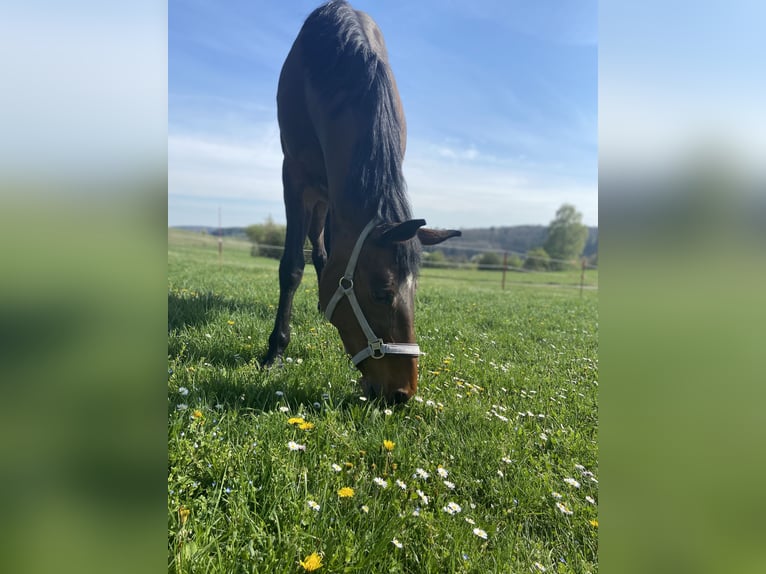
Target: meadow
[(492, 467)]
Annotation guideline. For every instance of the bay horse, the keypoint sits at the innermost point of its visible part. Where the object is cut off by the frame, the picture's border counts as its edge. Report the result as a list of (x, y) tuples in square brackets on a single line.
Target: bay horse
[(343, 135)]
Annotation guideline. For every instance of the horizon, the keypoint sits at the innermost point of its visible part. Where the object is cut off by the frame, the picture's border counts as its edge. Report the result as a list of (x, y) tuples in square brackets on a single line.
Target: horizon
[(518, 83)]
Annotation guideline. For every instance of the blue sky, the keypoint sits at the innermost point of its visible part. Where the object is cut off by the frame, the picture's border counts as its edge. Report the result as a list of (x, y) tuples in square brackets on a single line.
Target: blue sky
[(500, 99)]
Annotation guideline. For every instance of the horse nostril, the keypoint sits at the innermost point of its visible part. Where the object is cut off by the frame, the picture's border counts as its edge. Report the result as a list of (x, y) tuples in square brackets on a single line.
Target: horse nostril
[(400, 397)]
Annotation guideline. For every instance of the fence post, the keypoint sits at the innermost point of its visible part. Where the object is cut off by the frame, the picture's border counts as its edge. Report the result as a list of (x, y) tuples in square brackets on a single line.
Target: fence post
[(505, 267)]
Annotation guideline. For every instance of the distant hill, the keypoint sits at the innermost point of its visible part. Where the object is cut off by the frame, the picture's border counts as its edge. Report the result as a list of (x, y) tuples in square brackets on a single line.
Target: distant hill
[(519, 239), (225, 231)]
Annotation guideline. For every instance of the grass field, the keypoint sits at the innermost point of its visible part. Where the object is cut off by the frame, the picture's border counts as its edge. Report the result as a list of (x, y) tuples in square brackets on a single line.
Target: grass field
[(492, 468)]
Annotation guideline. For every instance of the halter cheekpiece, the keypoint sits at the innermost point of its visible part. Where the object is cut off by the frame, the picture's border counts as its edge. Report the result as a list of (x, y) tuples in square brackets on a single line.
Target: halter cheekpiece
[(375, 348)]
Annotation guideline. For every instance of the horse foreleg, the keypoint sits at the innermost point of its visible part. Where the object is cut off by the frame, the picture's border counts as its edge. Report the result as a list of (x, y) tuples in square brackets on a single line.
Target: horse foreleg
[(290, 270)]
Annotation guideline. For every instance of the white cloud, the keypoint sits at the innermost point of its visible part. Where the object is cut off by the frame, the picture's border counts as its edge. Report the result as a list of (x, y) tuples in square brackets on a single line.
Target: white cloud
[(211, 167)]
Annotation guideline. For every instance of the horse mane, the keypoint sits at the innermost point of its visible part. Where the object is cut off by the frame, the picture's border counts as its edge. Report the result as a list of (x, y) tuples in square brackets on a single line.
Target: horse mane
[(340, 58)]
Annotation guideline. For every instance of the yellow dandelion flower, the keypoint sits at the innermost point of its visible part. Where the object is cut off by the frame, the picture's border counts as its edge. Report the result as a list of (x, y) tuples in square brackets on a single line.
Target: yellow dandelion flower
[(197, 414), (389, 445), (312, 562), (183, 514), (306, 426), (349, 464), (594, 523), (295, 421), (230, 322), (346, 492)]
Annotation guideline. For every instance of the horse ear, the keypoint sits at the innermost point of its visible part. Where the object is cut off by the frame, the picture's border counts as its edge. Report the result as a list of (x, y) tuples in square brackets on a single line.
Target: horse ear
[(401, 231), (434, 236)]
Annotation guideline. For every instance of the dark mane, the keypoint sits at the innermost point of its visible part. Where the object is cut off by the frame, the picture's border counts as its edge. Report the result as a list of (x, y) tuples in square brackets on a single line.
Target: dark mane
[(341, 58)]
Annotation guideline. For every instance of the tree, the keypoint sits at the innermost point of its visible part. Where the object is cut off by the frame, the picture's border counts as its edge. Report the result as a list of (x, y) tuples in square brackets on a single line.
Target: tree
[(566, 236)]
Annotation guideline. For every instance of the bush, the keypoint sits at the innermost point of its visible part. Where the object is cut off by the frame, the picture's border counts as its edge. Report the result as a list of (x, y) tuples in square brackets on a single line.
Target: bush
[(537, 260), (434, 259), (268, 239), (490, 260)]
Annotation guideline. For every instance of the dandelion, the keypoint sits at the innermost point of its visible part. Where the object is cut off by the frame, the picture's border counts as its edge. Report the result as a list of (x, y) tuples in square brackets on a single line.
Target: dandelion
[(335, 467), (422, 496), (292, 445), (480, 533), (230, 322), (284, 409), (317, 406), (443, 472), (500, 473), (365, 509), (416, 512), (540, 567), (313, 505), (572, 482), (401, 484), (183, 514), (312, 562), (388, 412), (279, 394), (564, 510), (506, 460), (295, 420), (183, 391), (197, 414), (381, 482), (420, 473), (594, 523), (470, 521), (346, 492), (450, 485), (452, 508), (556, 495), (182, 406), (590, 499), (306, 426), (396, 543), (389, 445)]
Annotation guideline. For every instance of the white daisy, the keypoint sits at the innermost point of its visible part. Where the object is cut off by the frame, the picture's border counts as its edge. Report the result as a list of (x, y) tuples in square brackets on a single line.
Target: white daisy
[(572, 482)]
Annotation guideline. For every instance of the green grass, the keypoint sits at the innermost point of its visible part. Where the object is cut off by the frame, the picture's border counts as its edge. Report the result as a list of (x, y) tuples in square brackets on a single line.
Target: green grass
[(492, 357)]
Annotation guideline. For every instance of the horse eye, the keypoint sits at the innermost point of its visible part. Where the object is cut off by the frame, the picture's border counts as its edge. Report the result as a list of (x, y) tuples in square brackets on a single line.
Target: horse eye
[(386, 296)]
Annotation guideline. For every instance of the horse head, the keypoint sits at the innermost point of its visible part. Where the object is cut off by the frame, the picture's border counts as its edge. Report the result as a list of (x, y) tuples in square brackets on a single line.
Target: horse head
[(372, 302)]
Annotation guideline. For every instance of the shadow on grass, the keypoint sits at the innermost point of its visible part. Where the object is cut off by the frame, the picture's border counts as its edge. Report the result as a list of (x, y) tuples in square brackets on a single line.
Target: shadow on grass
[(199, 309)]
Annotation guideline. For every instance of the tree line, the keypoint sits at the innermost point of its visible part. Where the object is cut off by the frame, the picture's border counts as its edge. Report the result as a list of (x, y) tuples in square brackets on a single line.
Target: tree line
[(560, 245)]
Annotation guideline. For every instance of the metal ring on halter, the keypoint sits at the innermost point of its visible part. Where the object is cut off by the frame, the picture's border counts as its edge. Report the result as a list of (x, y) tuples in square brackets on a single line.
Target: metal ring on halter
[(349, 281)]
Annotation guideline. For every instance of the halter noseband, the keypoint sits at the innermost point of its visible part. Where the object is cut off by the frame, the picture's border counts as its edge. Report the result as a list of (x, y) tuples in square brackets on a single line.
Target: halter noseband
[(375, 348)]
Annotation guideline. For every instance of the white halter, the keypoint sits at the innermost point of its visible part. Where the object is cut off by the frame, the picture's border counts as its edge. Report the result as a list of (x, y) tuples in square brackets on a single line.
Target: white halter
[(375, 348)]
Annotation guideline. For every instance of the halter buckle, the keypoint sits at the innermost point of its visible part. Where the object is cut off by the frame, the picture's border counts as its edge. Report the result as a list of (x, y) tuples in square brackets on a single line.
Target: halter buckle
[(377, 349)]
